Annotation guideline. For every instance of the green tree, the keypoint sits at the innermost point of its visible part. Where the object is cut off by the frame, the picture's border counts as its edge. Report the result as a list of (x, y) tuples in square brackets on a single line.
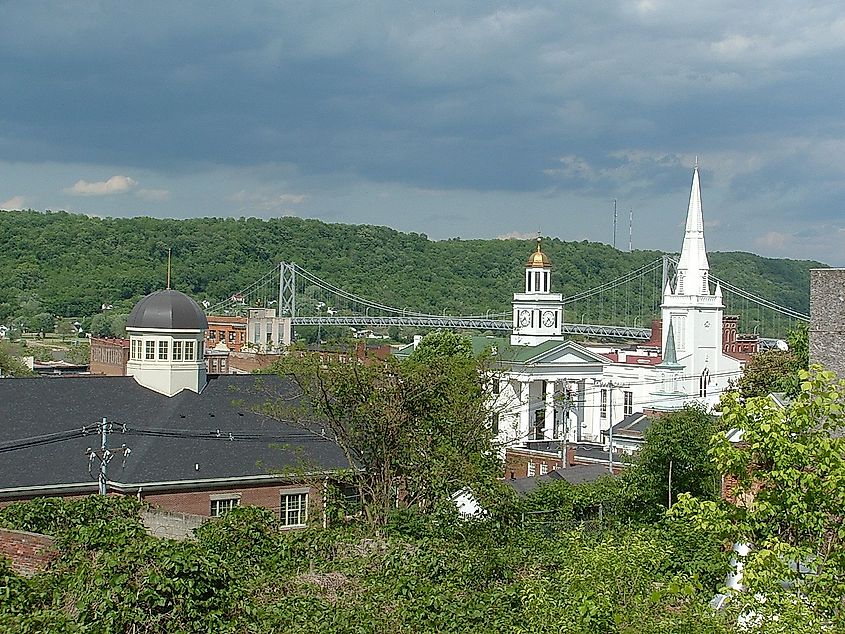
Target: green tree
[(11, 365), (419, 427), (443, 344), (42, 323), (789, 501), (777, 370), (675, 455)]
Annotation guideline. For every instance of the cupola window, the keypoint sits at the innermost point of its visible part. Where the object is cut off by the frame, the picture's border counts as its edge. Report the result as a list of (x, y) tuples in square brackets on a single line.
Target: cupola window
[(177, 350), (150, 350), (189, 350), (162, 350)]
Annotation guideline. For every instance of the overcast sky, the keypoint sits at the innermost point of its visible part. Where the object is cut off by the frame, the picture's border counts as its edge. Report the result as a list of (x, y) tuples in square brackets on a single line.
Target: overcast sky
[(470, 119)]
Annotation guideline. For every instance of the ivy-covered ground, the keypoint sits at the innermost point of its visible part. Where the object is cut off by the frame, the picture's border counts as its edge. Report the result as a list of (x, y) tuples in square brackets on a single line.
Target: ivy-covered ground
[(440, 574)]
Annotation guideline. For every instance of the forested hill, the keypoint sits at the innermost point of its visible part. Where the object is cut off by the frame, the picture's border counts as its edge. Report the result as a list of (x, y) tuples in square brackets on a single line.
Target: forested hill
[(69, 264)]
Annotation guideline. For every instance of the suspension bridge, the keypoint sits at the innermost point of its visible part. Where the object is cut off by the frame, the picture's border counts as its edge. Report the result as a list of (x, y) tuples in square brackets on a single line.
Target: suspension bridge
[(633, 298)]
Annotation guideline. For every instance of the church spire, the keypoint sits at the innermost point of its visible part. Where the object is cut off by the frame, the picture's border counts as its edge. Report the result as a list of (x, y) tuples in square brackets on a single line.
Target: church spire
[(670, 355), (693, 268)]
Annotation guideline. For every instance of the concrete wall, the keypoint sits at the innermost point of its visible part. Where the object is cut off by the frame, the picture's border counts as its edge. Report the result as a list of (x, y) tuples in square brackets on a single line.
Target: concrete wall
[(827, 319), (28, 552), (171, 524)]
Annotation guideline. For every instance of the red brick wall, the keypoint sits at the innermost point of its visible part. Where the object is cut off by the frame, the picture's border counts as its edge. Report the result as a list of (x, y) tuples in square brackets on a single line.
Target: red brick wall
[(268, 496), (28, 552), (516, 461), (108, 356)]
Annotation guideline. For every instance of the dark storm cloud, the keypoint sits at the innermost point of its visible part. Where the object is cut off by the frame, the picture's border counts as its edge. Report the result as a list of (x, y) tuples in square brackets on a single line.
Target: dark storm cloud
[(580, 99)]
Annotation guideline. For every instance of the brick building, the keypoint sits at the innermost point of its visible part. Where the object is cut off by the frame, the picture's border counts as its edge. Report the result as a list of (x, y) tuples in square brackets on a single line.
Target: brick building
[(737, 344), (230, 330), (108, 356)]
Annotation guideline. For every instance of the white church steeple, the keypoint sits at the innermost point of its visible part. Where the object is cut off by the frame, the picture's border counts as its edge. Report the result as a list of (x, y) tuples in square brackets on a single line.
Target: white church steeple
[(690, 311), (693, 276)]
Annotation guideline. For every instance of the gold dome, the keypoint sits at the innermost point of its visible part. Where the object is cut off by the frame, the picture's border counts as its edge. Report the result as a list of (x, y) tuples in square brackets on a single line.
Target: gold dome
[(538, 259)]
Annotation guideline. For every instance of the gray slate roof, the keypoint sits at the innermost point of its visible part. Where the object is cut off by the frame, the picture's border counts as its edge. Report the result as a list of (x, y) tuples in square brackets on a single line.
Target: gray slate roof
[(574, 474), (633, 426), (169, 310), (39, 406)]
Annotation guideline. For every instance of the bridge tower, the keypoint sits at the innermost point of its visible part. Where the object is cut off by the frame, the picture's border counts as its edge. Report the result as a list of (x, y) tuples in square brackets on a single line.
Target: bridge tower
[(692, 311), (537, 313)]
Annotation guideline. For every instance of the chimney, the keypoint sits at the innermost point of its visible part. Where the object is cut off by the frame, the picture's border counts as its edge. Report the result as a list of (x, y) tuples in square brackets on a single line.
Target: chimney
[(570, 455)]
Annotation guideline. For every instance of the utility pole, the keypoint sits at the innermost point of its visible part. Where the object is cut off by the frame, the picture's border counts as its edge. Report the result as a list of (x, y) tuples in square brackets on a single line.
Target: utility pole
[(105, 455), (670, 484), (614, 223), (567, 405), (610, 385), (630, 230)]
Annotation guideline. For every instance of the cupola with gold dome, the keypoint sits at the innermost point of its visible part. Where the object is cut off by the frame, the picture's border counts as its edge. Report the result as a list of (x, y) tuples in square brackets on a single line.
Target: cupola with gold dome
[(538, 259), (537, 313)]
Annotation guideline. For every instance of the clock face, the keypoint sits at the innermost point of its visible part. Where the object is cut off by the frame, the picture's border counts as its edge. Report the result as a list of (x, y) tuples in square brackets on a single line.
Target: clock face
[(548, 318), (524, 317)]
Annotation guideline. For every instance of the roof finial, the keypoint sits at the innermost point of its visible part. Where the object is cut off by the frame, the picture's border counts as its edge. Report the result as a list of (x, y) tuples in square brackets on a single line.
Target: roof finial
[(168, 269), (539, 239), (696, 161)]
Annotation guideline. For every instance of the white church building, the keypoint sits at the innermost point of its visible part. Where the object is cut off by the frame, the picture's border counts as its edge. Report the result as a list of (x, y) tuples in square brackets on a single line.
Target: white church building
[(549, 388)]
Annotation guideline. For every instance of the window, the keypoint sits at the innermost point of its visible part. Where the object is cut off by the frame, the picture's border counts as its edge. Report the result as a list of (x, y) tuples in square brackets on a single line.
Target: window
[(495, 424), (545, 282), (539, 424), (136, 349), (189, 351), (150, 350), (703, 382), (532, 469), (294, 509), (628, 403), (603, 408), (544, 468), (222, 503), (537, 281), (528, 283), (496, 387), (162, 350), (177, 350)]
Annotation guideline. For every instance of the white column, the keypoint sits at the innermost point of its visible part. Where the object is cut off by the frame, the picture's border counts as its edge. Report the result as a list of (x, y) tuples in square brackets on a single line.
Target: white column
[(524, 411), (549, 420)]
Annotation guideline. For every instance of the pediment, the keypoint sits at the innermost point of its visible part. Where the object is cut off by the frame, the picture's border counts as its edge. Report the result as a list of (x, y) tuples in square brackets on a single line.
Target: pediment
[(568, 353)]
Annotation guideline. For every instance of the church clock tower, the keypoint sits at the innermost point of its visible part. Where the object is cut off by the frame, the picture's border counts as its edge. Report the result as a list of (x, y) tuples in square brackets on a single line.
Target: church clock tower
[(537, 313)]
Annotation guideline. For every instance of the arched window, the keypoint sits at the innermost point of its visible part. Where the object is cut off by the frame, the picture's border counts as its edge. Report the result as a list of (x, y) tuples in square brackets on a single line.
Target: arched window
[(703, 382)]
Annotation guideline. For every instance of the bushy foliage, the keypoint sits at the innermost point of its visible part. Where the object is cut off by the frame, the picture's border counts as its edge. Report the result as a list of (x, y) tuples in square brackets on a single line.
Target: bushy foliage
[(777, 370), (418, 428), (787, 502), (676, 452), (427, 573)]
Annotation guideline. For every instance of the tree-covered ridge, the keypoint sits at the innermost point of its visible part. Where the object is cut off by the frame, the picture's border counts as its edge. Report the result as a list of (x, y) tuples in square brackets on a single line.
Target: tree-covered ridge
[(69, 264)]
